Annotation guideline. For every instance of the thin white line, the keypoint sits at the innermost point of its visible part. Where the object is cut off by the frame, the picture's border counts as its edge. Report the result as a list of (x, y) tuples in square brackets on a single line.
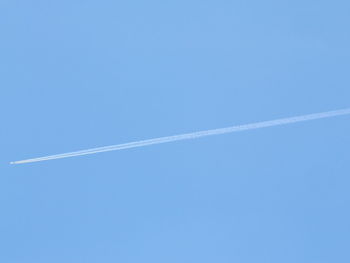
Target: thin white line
[(194, 135)]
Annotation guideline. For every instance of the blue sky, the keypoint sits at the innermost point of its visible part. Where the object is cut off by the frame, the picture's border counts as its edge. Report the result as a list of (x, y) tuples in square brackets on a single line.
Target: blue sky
[(82, 74)]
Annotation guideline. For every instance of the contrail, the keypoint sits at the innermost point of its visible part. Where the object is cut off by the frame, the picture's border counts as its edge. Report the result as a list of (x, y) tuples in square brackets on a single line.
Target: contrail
[(194, 135)]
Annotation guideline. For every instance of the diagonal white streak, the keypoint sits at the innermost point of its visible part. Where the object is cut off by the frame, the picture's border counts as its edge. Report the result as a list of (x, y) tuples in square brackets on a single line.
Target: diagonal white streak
[(193, 135)]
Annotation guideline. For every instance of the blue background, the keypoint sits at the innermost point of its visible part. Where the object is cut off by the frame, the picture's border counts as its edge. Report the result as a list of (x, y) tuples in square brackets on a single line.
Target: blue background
[(82, 74)]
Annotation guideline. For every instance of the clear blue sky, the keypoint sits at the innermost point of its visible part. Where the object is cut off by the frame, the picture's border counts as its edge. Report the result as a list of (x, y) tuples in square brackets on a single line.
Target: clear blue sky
[(81, 74)]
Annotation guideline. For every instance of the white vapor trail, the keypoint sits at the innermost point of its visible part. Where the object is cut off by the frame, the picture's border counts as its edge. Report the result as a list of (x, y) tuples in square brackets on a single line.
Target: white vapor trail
[(194, 135)]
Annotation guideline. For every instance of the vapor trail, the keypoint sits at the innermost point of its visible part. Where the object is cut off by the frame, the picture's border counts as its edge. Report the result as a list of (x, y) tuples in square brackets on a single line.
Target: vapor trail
[(194, 135)]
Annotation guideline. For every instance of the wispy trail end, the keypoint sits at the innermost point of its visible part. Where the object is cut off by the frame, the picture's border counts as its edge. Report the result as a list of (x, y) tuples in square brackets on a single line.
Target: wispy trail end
[(194, 135)]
